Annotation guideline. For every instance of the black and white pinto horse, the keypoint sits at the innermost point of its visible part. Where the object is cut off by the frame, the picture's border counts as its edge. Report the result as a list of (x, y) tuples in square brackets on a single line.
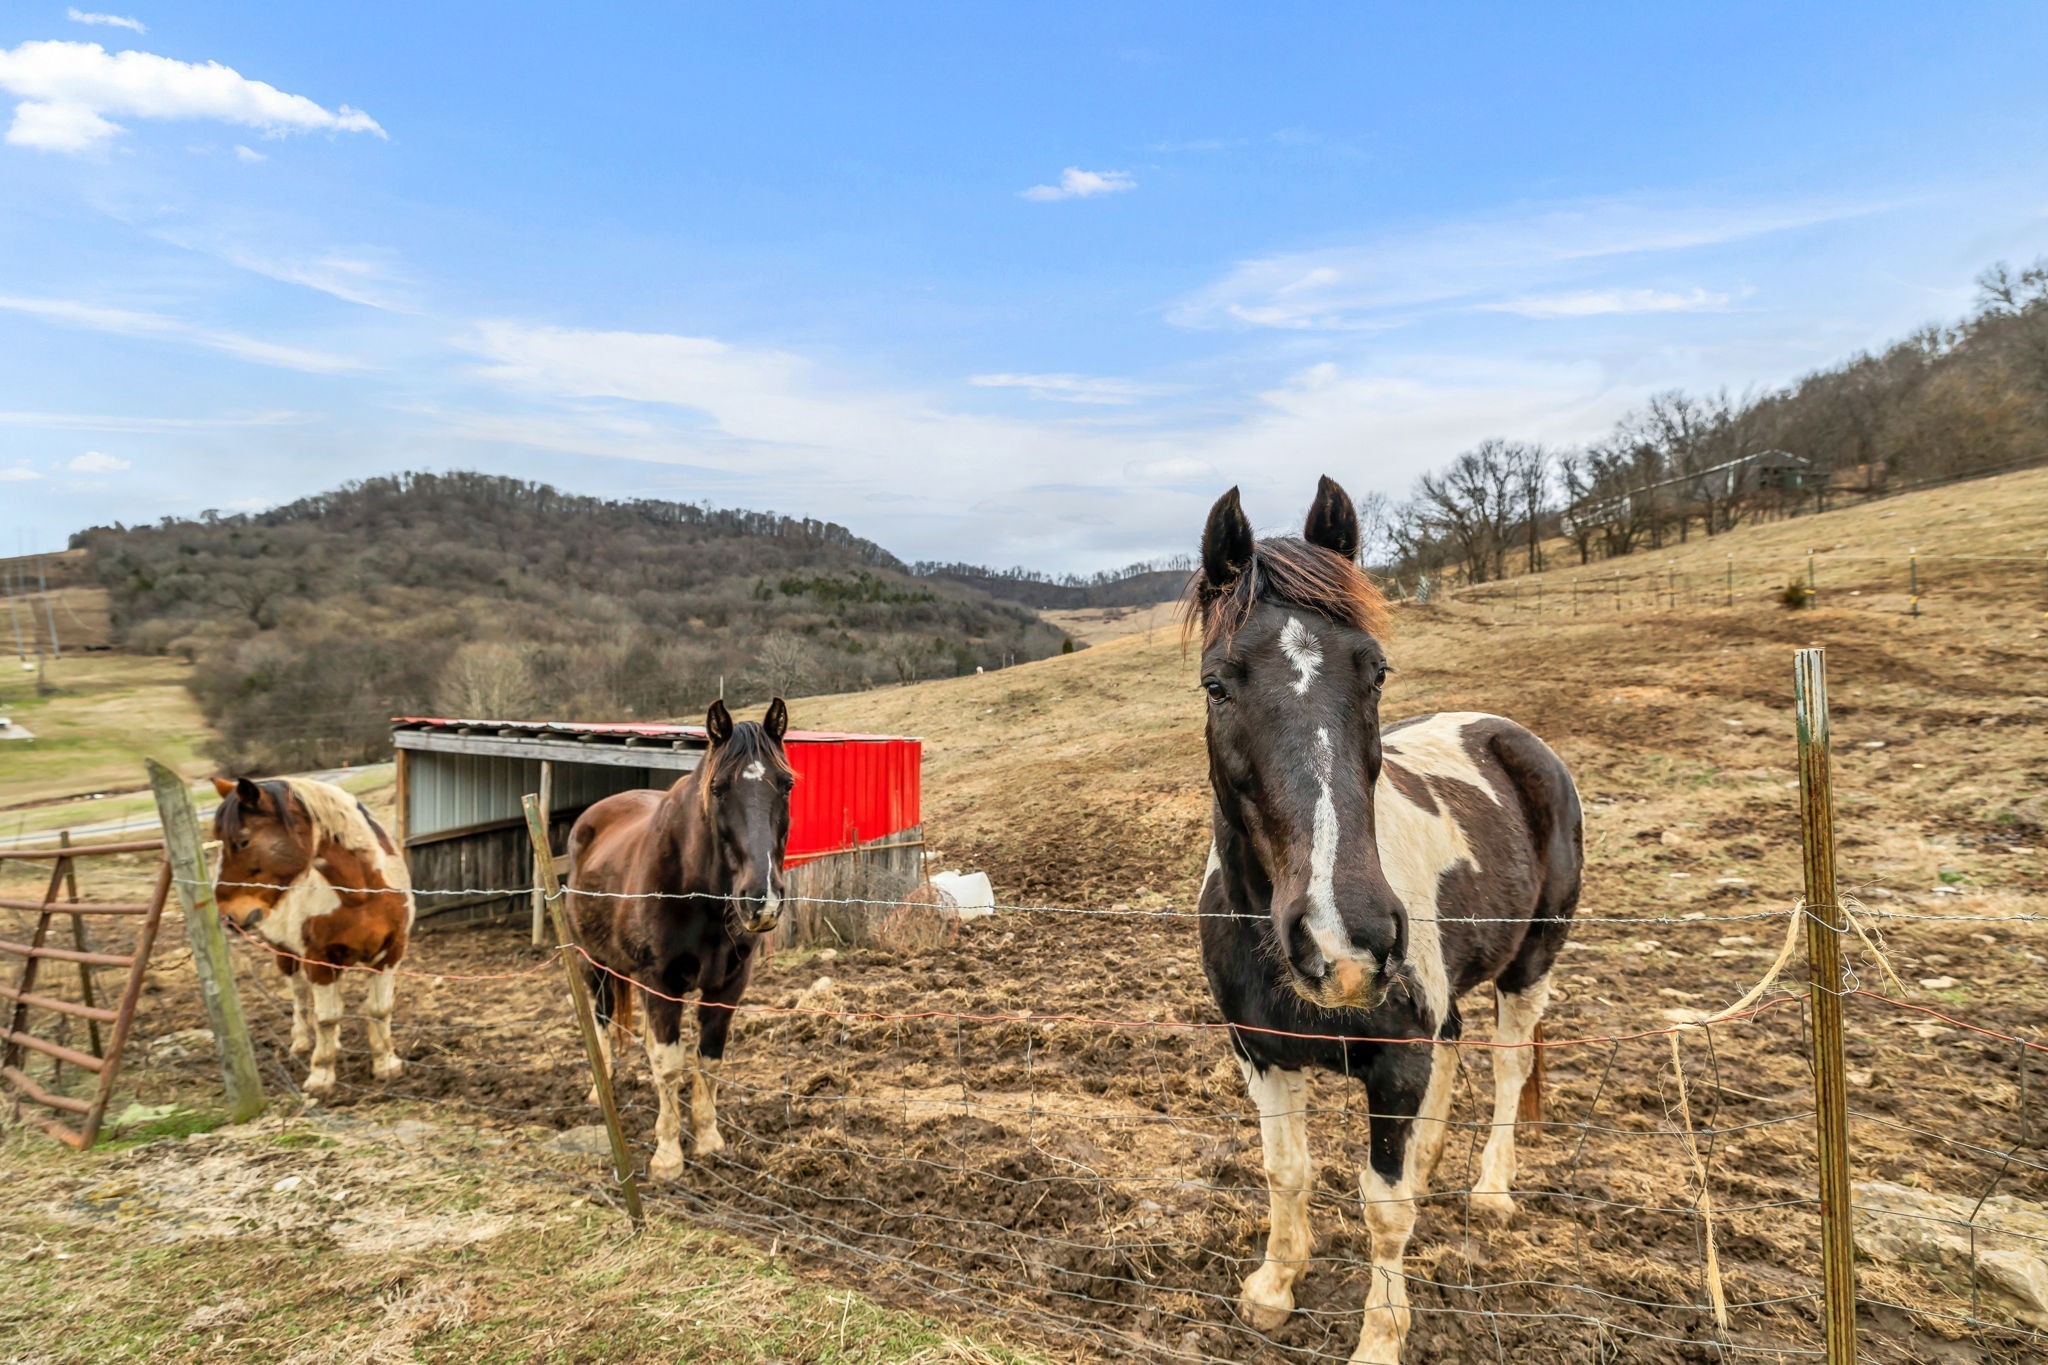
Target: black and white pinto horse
[(1362, 878)]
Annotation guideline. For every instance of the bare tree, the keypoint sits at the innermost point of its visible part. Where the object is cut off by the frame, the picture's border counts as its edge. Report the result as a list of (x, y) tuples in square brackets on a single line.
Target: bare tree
[(907, 656), (1471, 505), (783, 665), (485, 680)]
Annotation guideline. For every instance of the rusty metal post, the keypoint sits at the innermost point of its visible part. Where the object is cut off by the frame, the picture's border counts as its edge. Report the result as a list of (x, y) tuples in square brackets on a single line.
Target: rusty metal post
[(551, 887), (1824, 929), (186, 854)]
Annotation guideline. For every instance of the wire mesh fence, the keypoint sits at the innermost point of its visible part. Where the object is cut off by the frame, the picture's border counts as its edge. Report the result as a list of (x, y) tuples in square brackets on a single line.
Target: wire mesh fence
[(1034, 1120)]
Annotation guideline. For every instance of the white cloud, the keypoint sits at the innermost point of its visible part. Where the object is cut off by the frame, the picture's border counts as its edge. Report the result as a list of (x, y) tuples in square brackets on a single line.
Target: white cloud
[(1172, 470), (764, 419), (124, 322), (1586, 303), (93, 462), (1069, 388), (248, 155), (1076, 183), (79, 16), (58, 127), (68, 89), (18, 473), (1482, 263)]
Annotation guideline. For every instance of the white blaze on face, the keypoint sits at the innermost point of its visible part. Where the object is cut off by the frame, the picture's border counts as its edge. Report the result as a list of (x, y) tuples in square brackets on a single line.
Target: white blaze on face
[(1303, 651), (1324, 926), (754, 771)]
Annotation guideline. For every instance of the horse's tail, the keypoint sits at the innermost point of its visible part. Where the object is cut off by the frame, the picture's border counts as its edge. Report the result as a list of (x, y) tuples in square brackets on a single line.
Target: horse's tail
[(1531, 1108)]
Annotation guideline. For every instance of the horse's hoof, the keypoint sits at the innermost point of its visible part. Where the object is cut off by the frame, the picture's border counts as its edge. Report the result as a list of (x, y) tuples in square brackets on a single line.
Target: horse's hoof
[(388, 1068), (592, 1097), (1265, 1300), (667, 1163), (1377, 1348), (707, 1144), (319, 1081), (1494, 1205)]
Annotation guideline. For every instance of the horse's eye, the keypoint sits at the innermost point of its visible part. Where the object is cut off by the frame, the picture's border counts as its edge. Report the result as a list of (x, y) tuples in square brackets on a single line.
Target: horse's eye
[(1216, 690), (1379, 679)]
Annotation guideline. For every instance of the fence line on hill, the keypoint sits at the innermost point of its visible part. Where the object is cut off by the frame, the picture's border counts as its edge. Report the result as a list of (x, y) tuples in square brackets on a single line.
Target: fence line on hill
[(1912, 584)]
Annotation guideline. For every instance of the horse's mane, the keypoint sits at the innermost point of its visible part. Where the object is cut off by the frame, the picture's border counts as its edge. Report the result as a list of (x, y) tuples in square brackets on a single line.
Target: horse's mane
[(749, 742), (1289, 571)]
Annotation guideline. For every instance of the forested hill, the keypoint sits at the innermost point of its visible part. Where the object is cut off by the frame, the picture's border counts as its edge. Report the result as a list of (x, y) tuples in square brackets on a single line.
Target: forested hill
[(1139, 585), (474, 595)]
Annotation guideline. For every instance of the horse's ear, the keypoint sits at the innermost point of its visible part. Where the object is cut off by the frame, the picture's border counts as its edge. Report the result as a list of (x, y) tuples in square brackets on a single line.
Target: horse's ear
[(776, 722), (221, 786), (1226, 542), (249, 795), (1333, 521), (718, 722)]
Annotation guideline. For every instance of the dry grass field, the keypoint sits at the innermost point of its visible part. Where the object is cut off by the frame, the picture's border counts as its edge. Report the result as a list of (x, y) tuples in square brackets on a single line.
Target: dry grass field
[(1081, 1189)]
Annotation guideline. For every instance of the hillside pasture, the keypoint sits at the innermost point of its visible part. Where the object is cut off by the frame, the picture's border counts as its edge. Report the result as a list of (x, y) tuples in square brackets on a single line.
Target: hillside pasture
[(1034, 1127)]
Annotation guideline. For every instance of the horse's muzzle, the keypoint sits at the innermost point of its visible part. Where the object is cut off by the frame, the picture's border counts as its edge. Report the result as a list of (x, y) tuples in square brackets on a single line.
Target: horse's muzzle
[(1347, 985)]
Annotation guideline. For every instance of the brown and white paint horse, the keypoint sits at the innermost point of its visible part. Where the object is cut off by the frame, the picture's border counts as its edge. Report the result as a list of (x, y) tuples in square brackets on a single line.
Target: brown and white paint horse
[(1361, 879), (307, 871), (673, 890)]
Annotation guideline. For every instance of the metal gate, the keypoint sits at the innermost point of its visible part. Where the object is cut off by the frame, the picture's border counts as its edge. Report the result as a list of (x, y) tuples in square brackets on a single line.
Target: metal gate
[(106, 1028)]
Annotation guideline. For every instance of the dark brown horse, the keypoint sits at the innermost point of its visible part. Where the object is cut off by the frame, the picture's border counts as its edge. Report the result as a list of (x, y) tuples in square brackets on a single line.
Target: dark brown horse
[(673, 889), (1361, 878)]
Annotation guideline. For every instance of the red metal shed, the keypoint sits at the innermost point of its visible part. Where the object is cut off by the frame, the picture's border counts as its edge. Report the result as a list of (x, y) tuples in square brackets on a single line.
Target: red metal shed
[(461, 783)]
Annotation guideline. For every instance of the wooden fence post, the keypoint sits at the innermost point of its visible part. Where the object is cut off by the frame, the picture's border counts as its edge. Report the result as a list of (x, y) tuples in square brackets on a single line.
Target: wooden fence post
[(551, 888), (186, 853), (1824, 929)]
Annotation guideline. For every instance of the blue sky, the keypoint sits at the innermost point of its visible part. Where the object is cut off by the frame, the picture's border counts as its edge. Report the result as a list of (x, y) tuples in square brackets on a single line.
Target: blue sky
[(1018, 284)]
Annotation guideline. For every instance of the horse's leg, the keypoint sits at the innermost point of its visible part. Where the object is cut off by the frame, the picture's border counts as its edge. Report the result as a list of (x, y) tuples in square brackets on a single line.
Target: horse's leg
[(598, 985), (1398, 1083), (714, 1024), (385, 1063), (1267, 1295), (1433, 1122), (663, 1036), (326, 1027), (302, 1006), (1517, 1015)]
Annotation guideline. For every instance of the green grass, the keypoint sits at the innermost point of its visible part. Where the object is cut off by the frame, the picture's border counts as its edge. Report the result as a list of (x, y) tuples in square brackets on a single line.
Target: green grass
[(94, 1277), (99, 716)]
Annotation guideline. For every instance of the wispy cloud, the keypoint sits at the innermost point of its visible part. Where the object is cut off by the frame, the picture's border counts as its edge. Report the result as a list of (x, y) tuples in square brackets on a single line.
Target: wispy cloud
[(87, 421), (1070, 388), (1482, 263), (125, 322), (19, 472), (68, 90), (352, 278), (1586, 303), (79, 16), (1076, 183), (248, 155)]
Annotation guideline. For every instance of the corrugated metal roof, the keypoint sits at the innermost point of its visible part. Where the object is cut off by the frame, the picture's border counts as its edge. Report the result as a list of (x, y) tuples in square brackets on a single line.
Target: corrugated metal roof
[(619, 729)]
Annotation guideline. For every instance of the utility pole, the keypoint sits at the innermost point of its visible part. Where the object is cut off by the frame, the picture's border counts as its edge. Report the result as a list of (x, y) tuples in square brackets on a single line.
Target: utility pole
[(49, 611), (14, 615)]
